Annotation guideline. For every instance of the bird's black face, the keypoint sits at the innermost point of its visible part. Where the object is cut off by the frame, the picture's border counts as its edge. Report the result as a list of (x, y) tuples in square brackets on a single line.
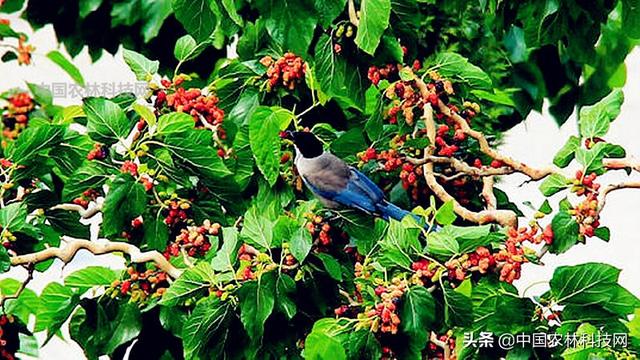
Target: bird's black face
[(307, 143)]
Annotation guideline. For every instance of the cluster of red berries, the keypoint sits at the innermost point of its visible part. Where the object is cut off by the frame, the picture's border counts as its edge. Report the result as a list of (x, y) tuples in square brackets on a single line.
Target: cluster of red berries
[(587, 215), (435, 351), (203, 108), (375, 74), (585, 184), (424, 272), (86, 197), (16, 115), (99, 152), (140, 285), (287, 71), (512, 255), (129, 167), (384, 314), (7, 350), (247, 254), (194, 240), (319, 230), (480, 260), (176, 211)]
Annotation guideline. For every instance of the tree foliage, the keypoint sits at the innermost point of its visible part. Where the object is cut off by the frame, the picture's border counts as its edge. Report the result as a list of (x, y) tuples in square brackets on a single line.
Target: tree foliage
[(227, 254)]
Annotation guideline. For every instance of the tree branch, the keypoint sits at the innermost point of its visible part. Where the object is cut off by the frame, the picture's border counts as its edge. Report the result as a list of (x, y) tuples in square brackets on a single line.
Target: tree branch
[(502, 217), (613, 187), (4, 298), (73, 245), (84, 213)]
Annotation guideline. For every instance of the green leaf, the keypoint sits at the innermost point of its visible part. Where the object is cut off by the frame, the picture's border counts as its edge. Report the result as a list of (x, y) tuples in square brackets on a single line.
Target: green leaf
[(257, 229), (300, 243), (328, 10), (186, 48), (340, 79), (264, 129), (622, 301), (157, 12), (13, 216), (458, 308), (35, 141), (141, 66), (106, 122), (568, 152), (174, 122), (418, 314), (86, 7), (566, 232), (197, 17), (374, 19), (11, 6), (193, 149), (585, 284), (442, 246), (56, 305), (66, 65), (591, 159), (631, 18), (285, 287), (41, 94), (545, 208), (603, 233), (128, 324), (226, 257), (454, 66), (91, 276), (27, 302), (320, 346), (193, 281), (257, 300), (90, 175), (290, 24), (349, 143), (331, 265), (209, 320), (156, 231), (125, 201), (553, 184), (595, 119), (445, 214)]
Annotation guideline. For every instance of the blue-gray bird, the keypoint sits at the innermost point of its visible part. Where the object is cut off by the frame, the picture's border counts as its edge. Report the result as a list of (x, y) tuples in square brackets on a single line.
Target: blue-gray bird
[(337, 184)]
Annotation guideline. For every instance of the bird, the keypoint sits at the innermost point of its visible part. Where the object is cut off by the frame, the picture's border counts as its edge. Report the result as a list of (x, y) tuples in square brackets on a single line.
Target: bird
[(335, 183)]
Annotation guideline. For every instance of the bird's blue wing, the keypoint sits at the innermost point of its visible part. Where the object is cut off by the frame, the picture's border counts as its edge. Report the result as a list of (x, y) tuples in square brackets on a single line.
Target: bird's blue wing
[(360, 192)]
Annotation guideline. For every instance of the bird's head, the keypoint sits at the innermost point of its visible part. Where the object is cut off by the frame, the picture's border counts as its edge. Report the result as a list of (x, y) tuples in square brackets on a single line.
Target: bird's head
[(305, 142)]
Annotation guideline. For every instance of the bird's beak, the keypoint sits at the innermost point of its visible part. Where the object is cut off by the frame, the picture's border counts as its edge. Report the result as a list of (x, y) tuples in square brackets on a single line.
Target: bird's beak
[(287, 135)]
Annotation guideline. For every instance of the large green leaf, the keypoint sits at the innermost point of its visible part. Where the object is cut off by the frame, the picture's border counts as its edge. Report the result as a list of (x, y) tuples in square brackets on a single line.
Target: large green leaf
[(418, 314), (591, 159), (257, 229), (374, 19), (458, 309), (125, 201), (456, 66), (193, 148), (585, 284), (553, 184), (128, 324), (56, 305), (91, 276), (209, 320), (595, 119), (106, 122), (264, 129), (226, 256), (566, 232), (290, 24), (66, 65), (141, 66), (257, 300), (34, 141), (328, 10), (568, 152), (189, 284), (174, 122)]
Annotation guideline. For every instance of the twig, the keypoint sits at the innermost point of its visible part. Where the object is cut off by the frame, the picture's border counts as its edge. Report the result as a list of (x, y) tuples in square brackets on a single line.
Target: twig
[(487, 193), (502, 217), (4, 298), (73, 245), (84, 213), (441, 344), (462, 167), (619, 164), (613, 187)]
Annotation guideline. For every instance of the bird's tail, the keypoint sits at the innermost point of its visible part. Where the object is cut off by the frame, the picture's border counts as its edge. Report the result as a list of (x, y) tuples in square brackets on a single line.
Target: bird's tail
[(388, 211)]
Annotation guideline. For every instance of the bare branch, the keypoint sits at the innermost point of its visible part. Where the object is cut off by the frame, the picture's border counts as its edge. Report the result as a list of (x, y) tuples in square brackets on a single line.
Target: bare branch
[(4, 298), (613, 187), (462, 166), (502, 217), (620, 164), (73, 245), (84, 213), (487, 193)]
